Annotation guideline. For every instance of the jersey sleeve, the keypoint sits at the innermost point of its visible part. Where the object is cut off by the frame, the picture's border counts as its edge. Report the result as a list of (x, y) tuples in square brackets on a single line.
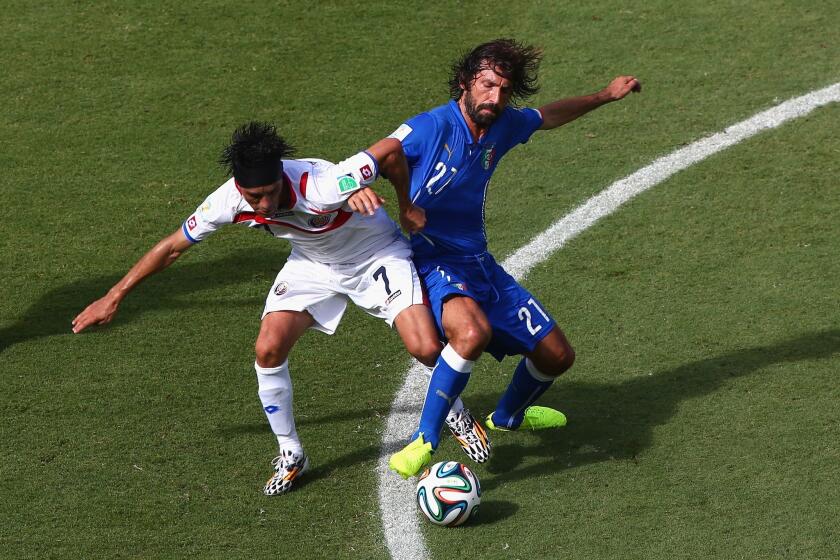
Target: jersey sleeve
[(523, 123), (213, 213), (414, 134), (335, 183)]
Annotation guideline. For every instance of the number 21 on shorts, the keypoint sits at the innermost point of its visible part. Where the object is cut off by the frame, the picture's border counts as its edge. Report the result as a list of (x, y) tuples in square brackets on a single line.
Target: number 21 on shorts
[(525, 315)]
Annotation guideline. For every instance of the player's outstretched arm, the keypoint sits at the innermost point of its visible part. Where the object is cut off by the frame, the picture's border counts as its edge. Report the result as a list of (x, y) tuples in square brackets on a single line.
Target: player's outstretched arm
[(393, 165), (566, 110), (164, 253)]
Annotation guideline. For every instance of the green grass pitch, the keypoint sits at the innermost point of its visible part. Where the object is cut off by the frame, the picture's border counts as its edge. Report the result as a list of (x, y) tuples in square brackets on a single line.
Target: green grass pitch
[(702, 407)]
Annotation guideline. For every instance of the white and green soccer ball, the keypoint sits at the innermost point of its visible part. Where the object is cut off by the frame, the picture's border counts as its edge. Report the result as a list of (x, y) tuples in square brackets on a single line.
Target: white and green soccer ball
[(448, 493)]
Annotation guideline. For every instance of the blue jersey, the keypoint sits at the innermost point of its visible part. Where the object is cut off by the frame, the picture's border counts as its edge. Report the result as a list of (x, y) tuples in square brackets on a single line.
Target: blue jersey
[(450, 173)]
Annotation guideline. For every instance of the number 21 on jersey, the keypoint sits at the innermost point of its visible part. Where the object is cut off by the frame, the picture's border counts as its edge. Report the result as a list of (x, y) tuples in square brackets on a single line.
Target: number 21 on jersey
[(525, 315)]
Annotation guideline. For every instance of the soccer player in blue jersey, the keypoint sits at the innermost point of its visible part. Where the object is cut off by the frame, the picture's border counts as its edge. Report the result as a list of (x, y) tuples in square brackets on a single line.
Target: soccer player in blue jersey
[(452, 151)]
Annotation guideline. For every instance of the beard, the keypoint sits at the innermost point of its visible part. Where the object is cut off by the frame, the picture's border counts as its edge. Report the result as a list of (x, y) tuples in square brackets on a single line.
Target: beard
[(482, 119)]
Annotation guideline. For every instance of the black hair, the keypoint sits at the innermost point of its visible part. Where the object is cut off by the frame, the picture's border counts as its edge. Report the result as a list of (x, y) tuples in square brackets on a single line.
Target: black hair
[(254, 144), (510, 59)]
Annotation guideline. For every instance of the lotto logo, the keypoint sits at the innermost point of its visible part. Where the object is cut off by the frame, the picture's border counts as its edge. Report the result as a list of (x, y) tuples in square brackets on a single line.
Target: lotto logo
[(367, 172), (191, 223)]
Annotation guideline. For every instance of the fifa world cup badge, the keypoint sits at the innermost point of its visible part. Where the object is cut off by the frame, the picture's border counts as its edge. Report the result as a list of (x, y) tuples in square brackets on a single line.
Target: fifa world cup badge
[(488, 156)]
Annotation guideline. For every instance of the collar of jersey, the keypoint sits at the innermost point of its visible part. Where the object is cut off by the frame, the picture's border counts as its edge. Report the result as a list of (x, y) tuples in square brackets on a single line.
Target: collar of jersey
[(292, 196), (453, 105)]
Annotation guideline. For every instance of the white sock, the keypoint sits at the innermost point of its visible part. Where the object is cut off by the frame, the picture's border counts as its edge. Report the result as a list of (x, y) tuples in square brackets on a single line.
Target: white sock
[(275, 391), (457, 405)]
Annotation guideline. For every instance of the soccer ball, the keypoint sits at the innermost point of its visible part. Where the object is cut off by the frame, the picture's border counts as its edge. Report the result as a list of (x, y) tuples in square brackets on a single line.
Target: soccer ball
[(448, 493)]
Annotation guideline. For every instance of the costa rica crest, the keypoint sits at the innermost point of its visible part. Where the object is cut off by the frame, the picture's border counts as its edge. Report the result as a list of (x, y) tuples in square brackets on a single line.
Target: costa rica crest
[(281, 288), (319, 221)]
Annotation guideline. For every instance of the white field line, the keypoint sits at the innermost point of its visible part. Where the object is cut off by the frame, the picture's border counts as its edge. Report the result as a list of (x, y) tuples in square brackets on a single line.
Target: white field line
[(400, 519)]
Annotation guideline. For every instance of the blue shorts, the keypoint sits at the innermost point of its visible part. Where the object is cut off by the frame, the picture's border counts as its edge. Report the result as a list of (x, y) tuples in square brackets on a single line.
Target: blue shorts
[(518, 319)]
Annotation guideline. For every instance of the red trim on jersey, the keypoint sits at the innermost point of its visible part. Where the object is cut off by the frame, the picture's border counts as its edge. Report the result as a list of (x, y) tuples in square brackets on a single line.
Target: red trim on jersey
[(303, 179), (292, 196), (340, 219)]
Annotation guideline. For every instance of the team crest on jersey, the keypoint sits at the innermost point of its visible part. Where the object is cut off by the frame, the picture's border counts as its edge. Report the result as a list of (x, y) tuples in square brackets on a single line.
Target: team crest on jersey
[(191, 223), (461, 286), (281, 288), (488, 156), (367, 172), (319, 221)]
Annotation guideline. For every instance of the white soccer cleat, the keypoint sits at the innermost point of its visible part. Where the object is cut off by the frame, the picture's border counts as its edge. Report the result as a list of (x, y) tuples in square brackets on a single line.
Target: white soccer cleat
[(470, 435), (288, 466)]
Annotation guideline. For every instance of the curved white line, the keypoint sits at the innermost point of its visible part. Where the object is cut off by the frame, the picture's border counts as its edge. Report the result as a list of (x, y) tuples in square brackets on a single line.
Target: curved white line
[(403, 536)]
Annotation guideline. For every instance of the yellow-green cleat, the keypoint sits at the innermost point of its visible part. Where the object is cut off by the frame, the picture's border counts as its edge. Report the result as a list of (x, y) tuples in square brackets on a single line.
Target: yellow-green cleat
[(412, 458), (536, 418)]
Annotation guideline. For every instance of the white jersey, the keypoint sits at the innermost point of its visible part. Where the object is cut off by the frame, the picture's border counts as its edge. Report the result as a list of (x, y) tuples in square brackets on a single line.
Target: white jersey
[(317, 221)]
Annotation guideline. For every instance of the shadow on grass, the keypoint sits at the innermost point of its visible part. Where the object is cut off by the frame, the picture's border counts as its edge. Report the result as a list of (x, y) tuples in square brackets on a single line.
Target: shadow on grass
[(349, 415), (52, 313), (616, 421), (492, 511), (607, 422)]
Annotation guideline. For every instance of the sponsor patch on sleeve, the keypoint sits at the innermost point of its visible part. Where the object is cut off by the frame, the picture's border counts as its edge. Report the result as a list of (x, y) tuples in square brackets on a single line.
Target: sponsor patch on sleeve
[(367, 172), (347, 183), (191, 223), (400, 134)]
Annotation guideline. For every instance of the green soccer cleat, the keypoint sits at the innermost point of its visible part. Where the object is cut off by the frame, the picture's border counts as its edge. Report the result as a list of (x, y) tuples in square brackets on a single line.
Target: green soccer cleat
[(536, 418), (412, 458)]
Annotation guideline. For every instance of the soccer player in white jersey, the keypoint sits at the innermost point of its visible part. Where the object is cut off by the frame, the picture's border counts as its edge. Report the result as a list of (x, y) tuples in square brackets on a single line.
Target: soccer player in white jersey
[(344, 246)]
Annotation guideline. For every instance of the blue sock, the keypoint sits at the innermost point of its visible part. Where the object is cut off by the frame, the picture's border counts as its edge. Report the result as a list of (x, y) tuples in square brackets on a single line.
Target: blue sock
[(524, 389), (449, 378)]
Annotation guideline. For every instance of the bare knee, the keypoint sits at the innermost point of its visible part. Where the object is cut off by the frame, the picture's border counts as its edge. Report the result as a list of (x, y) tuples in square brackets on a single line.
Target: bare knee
[(270, 352), (425, 351), (556, 360), (469, 341)]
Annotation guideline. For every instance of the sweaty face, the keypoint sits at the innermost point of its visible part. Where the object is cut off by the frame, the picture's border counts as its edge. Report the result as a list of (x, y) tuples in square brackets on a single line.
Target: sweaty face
[(486, 97), (264, 200)]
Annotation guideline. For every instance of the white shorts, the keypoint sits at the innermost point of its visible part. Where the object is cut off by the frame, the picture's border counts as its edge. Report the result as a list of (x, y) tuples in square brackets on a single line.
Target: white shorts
[(383, 286)]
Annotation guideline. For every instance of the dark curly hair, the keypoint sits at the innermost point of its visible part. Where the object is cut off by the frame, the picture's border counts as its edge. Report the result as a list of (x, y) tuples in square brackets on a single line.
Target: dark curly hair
[(510, 59), (252, 145)]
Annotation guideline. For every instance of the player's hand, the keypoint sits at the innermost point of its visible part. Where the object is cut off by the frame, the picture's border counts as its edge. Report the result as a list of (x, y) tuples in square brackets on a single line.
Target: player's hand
[(365, 201), (99, 312), (412, 218), (621, 86)]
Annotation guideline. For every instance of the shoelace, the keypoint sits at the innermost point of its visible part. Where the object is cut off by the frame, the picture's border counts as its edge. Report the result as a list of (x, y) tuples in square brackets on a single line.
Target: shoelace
[(462, 426), (284, 461)]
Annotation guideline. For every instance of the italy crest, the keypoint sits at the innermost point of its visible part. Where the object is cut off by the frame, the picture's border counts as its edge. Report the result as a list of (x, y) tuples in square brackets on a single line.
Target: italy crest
[(488, 156)]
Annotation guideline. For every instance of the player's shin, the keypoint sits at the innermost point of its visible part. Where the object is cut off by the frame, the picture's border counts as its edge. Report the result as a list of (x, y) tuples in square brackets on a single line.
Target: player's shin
[(449, 378), (457, 404), (275, 391), (527, 385)]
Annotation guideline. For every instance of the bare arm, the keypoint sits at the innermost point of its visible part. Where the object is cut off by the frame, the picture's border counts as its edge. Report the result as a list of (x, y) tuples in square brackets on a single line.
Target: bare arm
[(393, 165), (566, 110), (164, 253)]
